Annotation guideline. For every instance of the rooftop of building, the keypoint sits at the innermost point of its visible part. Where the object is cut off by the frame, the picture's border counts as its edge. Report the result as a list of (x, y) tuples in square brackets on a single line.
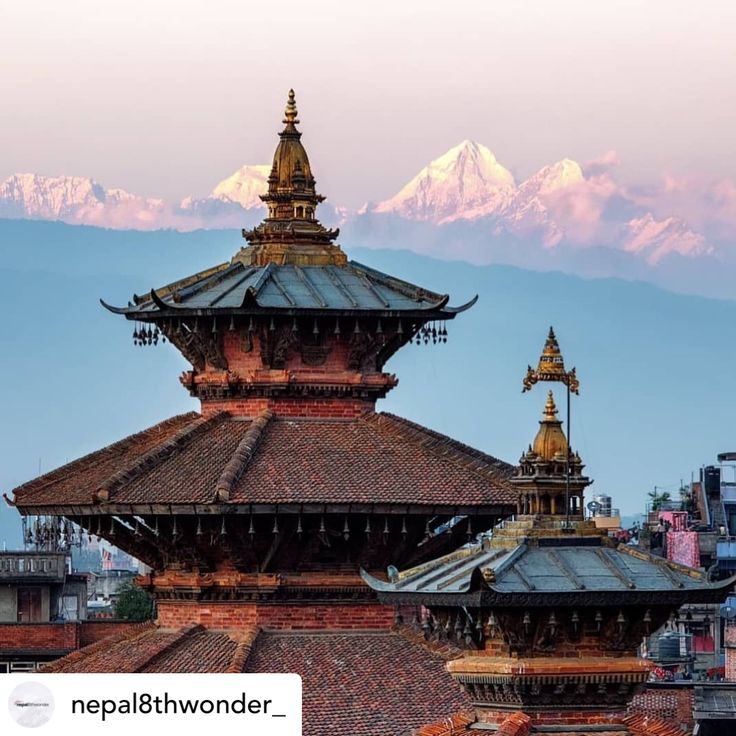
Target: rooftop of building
[(239, 287), (344, 672), (519, 723), (377, 459), (544, 560)]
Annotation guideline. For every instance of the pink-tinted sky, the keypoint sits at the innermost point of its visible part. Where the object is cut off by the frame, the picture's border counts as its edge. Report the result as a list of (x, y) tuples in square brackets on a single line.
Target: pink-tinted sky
[(167, 98)]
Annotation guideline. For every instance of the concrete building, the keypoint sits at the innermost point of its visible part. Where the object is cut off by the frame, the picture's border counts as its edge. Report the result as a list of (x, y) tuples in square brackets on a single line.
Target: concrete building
[(40, 601)]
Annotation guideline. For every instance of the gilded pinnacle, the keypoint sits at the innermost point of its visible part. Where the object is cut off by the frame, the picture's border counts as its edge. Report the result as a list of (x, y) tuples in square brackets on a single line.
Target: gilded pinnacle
[(550, 410), (290, 113)]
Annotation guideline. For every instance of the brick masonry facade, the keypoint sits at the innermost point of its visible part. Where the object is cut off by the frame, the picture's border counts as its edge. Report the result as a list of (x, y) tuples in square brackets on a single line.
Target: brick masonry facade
[(40, 638), (284, 407), (672, 704), (297, 616), (729, 641), (51, 638)]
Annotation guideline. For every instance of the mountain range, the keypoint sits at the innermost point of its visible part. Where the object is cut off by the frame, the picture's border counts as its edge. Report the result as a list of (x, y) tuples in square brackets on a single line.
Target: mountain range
[(464, 205)]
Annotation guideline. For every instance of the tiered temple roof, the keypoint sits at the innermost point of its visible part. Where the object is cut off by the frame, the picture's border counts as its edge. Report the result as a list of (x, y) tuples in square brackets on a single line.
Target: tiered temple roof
[(511, 568), (377, 461), (237, 287)]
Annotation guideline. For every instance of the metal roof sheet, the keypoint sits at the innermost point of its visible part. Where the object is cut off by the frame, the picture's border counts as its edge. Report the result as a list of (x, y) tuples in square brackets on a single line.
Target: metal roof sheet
[(544, 569), (352, 287)]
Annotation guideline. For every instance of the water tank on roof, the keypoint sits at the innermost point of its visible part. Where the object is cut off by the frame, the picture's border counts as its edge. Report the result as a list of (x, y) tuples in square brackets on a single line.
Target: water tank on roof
[(604, 504), (711, 478), (672, 646)]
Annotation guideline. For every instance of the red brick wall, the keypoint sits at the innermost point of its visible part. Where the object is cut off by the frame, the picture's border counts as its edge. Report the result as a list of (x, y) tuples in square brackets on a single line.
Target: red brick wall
[(249, 363), (39, 637), (54, 637), (224, 615), (729, 641), (93, 631), (672, 704)]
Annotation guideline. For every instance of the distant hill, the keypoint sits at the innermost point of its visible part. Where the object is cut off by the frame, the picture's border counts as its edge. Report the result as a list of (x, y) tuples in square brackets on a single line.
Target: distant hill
[(656, 368)]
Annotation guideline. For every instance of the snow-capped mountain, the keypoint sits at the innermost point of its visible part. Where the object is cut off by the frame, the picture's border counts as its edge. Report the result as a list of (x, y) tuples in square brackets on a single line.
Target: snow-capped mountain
[(241, 188), (465, 178), (465, 197), (654, 239), (76, 199), (244, 187), (468, 183), (236, 202), (559, 205)]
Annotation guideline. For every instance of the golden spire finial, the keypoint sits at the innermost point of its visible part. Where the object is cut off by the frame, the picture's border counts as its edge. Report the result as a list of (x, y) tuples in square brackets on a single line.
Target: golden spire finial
[(290, 113), (550, 410)]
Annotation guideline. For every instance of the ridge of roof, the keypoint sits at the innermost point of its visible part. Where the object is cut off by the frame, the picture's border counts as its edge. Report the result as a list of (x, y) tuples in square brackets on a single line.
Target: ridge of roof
[(116, 448), (662, 562), (453, 725), (246, 641), (642, 725), (169, 289), (155, 455), (515, 724), (405, 287), (445, 447), (181, 636), (242, 456)]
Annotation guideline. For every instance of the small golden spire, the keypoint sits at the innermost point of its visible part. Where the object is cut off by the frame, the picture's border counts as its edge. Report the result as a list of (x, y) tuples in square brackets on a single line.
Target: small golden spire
[(550, 410), (290, 113), (550, 440)]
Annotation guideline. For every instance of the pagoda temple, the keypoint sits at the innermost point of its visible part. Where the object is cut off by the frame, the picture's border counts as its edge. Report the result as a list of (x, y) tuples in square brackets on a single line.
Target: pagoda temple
[(546, 612), (257, 513)]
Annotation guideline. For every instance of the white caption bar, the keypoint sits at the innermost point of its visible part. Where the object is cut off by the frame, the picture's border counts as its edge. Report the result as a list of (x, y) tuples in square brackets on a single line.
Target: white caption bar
[(140, 704)]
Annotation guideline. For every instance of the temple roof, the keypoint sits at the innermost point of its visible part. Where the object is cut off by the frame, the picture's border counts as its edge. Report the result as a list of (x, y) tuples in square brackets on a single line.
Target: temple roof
[(375, 460), (540, 571), (241, 288), (344, 673)]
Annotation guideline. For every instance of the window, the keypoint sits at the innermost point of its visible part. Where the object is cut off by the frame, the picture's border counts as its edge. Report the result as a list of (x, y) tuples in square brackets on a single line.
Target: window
[(23, 667), (29, 605)]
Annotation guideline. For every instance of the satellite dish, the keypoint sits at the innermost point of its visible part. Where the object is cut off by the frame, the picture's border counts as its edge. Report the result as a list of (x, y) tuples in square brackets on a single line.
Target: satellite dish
[(593, 506)]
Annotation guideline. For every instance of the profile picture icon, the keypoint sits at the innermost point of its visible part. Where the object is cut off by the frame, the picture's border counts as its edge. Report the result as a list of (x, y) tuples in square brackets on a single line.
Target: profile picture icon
[(31, 704)]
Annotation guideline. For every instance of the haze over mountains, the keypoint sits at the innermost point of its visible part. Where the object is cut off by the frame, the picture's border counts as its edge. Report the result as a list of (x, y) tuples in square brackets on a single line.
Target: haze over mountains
[(464, 205)]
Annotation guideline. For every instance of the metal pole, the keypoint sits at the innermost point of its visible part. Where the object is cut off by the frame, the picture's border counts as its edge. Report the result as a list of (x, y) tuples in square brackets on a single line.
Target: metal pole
[(567, 462)]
